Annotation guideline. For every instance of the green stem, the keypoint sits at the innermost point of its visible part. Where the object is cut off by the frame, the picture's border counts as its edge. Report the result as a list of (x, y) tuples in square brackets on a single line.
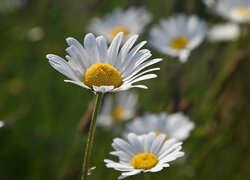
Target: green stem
[(91, 136), (147, 176)]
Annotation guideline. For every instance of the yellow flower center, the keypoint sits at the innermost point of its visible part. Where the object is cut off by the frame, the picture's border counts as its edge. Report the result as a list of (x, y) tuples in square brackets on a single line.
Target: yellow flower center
[(243, 11), (144, 161), (118, 113), (158, 133), (179, 42), (102, 75), (118, 29)]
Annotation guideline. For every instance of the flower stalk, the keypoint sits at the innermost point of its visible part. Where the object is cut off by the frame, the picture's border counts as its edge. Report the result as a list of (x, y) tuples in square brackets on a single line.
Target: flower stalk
[(147, 176), (85, 169)]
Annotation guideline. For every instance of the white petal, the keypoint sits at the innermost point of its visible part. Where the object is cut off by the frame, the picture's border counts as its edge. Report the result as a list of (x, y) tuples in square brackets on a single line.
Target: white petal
[(157, 144), (90, 45), (148, 142), (79, 83), (144, 72), (124, 51), (142, 66), (81, 51), (130, 173), (102, 89), (145, 77), (121, 145), (62, 66), (102, 48), (157, 168), (184, 56), (118, 166), (130, 56), (135, 143), (122, 155), (114, 47)]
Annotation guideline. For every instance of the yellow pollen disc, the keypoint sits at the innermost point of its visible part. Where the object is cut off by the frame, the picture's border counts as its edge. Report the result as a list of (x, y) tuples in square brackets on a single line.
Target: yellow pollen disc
[(118, 29), (158, 133), (179, 42), (243, 11), (102, 75), (118, 113), (144, 161)]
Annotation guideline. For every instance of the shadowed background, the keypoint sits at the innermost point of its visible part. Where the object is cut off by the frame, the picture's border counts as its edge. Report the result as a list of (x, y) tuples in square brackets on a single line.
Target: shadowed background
[(41, 137)]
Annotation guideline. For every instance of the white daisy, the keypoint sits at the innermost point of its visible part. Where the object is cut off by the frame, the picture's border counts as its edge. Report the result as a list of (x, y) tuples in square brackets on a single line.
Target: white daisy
[(177, 125), (131, 21), (101, 69), (234, 10), (178, 36), (146, 153), (116, 108), (223, 32)]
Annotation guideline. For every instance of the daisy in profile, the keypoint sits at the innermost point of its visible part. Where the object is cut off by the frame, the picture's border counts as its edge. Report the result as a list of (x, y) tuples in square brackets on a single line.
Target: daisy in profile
[(117, 108), (145, 153), (234, 10), (177, 125), (177, 36), (131, 21), (223, 32), (102, 69)]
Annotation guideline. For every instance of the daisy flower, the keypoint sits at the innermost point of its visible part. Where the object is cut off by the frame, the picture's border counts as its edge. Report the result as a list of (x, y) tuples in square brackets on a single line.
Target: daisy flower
[(178, 36), (131, 21), (177, 125), (104, 69), (145, 153), (223, 32), (116, 108), (234, 10)]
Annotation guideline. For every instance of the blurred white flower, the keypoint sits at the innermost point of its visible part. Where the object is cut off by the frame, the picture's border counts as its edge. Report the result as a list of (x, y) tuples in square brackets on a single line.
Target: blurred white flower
[(35, 34), (209, 3), (101, 69), (2, 124), (177, 36), (8, 6), (117, 107), (234, 10), (177, 125), (145, 153), (131, 21), (223, 32)]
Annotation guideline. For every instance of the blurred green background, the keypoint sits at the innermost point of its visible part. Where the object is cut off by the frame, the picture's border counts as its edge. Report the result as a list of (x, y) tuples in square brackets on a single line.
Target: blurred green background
[(41, 138)]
